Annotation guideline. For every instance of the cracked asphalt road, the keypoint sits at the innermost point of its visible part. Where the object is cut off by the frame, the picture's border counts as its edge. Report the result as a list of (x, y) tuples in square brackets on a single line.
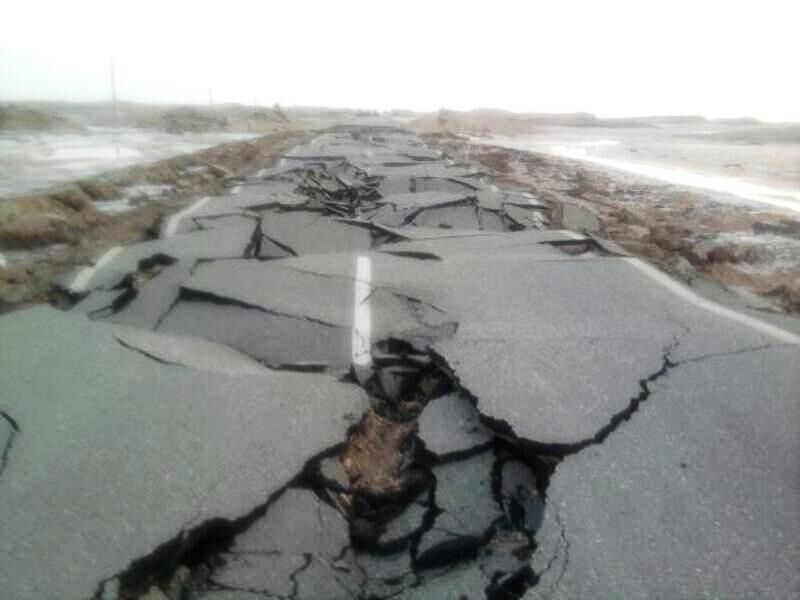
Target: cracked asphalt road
[(368, 373)]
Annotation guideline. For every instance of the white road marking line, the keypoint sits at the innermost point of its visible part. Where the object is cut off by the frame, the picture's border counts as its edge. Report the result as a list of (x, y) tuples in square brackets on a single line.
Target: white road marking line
[(236, 189), (362, 317), (688, 295), (3, 261), (261, 173), (85, 275), (172, 225)]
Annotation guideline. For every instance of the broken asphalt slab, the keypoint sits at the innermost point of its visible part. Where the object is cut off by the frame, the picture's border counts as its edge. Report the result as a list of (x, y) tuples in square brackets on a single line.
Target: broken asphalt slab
[(133, 453), (696, 496), (546, 416)]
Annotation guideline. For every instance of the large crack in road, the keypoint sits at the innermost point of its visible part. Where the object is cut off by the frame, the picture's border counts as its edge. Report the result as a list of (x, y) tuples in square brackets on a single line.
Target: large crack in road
[(410, 503), (364, 370)]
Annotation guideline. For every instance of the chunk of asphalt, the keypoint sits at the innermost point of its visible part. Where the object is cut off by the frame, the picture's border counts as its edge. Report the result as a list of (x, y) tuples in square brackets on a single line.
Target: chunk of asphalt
[(559, 318), (696, 495), (267, 574), (496, 200), (82, 426), (448, 184), (201, 245), (423, 199), (289, 292), (332, 470), (401, 184), (340, 580), (385, 576), (464, 495), (460, 582), (424, 169), (97, 301), (187, 351), (154, 297), (276, 340), (391, 216), (9, 428), (450, 217), (427, 233), (296, 530), (490, 221), (297, 523), (528, 217), (445, 544), (398, 531), (451, 425), (312, 233), (296, 293), (232, 595), (522, 504)]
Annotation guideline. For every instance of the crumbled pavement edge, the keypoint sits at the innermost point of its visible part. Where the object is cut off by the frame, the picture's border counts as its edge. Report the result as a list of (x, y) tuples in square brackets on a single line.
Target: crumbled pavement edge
[(62, 227), (670, 228)]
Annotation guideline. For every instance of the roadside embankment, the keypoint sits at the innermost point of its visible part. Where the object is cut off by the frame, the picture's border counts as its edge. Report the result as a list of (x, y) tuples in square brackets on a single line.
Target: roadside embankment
[(45, 233), (753, 252)]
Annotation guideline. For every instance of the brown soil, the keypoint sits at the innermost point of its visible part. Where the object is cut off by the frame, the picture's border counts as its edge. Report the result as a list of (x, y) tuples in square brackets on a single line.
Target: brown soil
[(377, 458)]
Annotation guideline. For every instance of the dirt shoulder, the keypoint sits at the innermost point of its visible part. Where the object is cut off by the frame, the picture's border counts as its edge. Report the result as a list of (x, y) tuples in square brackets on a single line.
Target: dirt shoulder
[(45, 234), (753, 253)]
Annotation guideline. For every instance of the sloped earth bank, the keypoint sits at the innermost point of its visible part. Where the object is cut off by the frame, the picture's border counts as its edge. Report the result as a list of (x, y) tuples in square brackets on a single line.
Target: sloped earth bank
[(368, 372), (752, 250), (46, 233)]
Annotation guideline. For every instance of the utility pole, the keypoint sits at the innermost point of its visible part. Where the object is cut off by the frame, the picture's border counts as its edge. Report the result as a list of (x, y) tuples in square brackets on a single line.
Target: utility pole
[(113, 87), (114, 104)]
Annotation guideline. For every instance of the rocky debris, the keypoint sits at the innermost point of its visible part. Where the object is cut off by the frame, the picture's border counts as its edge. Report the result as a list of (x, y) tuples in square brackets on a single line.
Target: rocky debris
[(370, 373)]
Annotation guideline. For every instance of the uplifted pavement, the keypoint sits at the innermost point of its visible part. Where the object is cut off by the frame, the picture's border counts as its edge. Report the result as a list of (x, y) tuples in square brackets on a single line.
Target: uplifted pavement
[(367, 372)]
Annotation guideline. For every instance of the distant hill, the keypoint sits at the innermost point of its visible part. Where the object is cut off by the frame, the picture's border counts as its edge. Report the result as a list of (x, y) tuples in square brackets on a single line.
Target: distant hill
[(486, 121), (171, 118), (495, 121), (766, 134), (672, 119), (738, 121), (21, 118)]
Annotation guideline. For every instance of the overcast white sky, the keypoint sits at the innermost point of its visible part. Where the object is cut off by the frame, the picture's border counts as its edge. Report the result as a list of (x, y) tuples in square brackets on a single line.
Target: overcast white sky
[(612, 57)]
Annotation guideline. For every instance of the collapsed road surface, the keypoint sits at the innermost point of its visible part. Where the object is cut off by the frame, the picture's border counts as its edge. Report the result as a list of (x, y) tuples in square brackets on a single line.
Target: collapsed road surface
[(368, 373)]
